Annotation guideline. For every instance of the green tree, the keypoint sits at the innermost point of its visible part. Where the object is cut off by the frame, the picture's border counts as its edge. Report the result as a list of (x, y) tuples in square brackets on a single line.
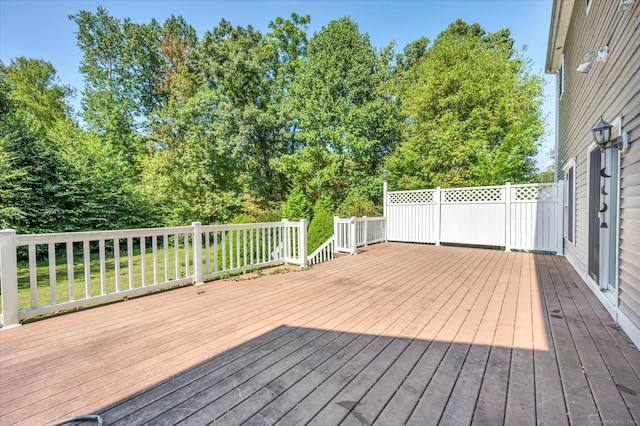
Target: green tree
[(55, 176), (33, 179), (190, 169), (297, 206), (122, 66), (32, 87), (321, 226), (472, 111), (346, 116)]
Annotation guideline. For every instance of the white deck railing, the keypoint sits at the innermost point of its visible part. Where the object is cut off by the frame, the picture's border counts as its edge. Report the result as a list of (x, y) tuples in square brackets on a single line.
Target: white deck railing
[(323, 253), (103, 266), (357, 232)]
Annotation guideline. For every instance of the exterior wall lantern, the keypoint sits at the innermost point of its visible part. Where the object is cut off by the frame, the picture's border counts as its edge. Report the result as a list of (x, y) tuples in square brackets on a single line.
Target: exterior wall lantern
[(602, 136), (591, 57)]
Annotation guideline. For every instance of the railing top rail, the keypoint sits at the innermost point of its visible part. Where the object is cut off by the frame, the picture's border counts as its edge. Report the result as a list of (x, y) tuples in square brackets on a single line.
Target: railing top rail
[(240, 226), (370, 219), (322, 247), (288, 224), (66, 237), (343, 220)]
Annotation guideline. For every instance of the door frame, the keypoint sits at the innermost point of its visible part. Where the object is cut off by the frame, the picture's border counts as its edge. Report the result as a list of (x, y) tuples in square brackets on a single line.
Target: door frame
[(610, 293)]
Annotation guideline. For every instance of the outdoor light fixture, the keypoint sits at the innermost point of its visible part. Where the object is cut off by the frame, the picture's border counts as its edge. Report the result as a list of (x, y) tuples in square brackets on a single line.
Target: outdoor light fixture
[(602, 136), (592, 56), (626, 4), (385, 174)]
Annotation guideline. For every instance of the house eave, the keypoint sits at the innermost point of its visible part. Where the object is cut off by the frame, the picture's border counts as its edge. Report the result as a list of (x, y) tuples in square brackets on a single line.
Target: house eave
[(560, 19)]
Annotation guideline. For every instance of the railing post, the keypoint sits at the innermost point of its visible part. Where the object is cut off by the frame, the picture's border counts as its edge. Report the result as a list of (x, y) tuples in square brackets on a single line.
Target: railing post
[(507, 216), (366, 230), (302, 243), (336, 235), (385, 189), (437, 223), (384, 228), (9, 279), (353, 236), (284, 239), (197, 253)]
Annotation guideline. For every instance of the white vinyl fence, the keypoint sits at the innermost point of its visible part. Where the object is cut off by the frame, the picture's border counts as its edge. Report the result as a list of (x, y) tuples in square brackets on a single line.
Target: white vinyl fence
[(524, 217), (98, 267)]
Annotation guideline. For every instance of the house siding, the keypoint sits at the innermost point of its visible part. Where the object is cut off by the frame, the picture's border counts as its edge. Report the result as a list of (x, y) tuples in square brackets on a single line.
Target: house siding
[(609, 89)]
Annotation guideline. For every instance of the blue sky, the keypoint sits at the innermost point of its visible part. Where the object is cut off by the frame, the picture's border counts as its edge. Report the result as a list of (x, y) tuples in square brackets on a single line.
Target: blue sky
[(41, 28)]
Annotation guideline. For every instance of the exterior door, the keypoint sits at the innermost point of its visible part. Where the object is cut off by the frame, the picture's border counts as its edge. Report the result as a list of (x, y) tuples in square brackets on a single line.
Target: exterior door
[(603, 214)]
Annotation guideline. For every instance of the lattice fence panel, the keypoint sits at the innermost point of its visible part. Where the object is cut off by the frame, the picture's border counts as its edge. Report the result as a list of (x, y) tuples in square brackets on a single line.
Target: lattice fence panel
[(534, 193), (471, 195), (411, 197)]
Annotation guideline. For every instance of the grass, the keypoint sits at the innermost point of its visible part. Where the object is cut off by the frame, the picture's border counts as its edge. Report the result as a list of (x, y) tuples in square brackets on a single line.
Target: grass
[(43, 286), (79, 288)]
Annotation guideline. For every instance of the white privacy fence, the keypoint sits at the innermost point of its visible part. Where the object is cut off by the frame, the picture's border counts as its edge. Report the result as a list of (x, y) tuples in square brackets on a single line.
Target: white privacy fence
[(70, 270), (524, 217)]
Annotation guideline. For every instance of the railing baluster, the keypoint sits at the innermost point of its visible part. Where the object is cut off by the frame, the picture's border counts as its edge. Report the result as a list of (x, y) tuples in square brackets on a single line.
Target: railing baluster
[(251, 245), (130, 261), (165, 246), (154, 248), (223, 241), (87, 269), (70, 271), (244, 243), (103, 271), (176, 255), (231, 249), (143, 261), (208, 252), (116, 262), (33, 277), (186, 255), (53, 279), (216, 258), (238, 265)]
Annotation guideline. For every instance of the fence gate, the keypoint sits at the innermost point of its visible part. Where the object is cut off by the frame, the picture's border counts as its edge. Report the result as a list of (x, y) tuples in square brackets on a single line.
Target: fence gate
[(525, 217)]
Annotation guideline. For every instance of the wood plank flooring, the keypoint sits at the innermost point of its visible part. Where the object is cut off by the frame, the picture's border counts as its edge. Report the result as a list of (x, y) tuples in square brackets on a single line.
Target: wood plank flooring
[(399, 334)]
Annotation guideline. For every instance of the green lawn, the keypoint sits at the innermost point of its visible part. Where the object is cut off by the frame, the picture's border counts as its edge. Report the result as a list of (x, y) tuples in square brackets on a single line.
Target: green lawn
[(43, 287), (62, 281)]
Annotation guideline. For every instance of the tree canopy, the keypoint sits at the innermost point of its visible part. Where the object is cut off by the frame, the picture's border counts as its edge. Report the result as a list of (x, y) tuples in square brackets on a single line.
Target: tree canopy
[(472, 111), (176, 127)]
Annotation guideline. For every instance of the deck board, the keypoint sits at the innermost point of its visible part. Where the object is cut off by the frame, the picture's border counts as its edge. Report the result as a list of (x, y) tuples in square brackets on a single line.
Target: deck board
[(399, 334)]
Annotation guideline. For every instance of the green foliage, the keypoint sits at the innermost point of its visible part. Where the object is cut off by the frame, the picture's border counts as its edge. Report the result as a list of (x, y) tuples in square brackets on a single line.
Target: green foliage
[(347, 119), (321, 226), (357, 205), (473, 113), (243, 218), (297, 206), (177, 129), (122, 65), (32, 87)]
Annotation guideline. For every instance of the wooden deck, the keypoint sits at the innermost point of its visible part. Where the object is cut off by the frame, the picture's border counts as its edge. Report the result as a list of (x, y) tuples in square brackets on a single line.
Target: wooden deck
[(399, 334)]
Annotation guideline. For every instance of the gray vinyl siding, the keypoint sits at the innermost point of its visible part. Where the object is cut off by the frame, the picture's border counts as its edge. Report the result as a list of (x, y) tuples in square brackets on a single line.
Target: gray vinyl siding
[(610, 89), (629, 263)]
